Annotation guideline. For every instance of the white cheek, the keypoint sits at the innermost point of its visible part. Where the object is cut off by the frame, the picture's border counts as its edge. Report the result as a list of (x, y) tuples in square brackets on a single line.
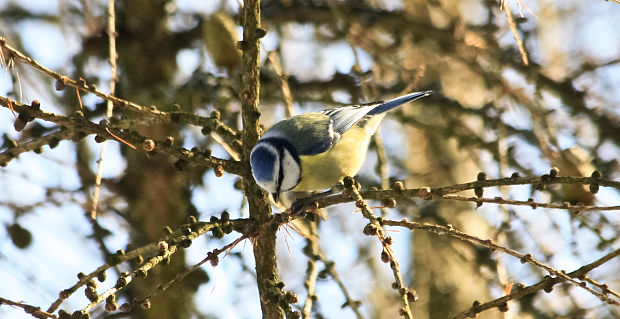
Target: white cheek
[(292, 172)]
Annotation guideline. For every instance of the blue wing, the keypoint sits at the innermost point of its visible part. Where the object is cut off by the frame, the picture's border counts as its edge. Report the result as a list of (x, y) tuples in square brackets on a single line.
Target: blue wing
[(317, 132), (344, 118), (386, 106)]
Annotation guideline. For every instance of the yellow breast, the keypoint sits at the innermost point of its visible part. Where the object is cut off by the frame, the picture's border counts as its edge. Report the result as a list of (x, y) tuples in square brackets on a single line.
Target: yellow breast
[(325, 170)]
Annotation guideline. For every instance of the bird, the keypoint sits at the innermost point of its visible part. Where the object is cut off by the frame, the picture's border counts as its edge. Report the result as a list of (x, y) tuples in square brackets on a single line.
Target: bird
[(316, 150)]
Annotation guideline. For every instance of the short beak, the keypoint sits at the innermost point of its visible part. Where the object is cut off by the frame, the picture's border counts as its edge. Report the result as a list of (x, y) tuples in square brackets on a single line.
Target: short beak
[(276, 197)]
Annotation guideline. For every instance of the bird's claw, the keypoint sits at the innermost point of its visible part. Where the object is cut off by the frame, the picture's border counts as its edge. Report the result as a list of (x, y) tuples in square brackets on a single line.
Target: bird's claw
[(310, 204)]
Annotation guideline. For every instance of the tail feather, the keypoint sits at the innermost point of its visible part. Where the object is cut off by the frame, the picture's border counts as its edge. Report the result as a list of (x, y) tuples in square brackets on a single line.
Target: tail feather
[(386, 106)]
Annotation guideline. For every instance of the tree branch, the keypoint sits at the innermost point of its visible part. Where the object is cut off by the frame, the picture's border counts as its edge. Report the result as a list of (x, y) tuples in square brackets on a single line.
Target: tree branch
[(374, 228), (212, 123), (80, 127), (35, 312), (545, 284), (524, 258), (264, 244), (442, 192)]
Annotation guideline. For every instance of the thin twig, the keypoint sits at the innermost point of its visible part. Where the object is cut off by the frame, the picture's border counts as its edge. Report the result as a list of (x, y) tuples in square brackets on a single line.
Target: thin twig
[(286, 90), (534, 205), (382, 161), (35, 312), (311, 250), (84, 127), (213, 123), (314, 252), (382, 164), (349, 301), (212, 257), (125, 279), (519, 292), (110, 105), (429, 193), (78, 84), (176, 236), (165, 251), (524, 258), (515, 32), (35, 145), (234, 154), (387, 255)]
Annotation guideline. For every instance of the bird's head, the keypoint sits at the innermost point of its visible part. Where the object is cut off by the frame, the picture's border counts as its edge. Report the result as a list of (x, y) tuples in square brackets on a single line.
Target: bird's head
[(275, 165)]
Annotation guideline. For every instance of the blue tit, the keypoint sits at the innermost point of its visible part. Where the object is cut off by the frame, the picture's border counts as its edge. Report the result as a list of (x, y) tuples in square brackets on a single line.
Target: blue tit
[(314, 151)]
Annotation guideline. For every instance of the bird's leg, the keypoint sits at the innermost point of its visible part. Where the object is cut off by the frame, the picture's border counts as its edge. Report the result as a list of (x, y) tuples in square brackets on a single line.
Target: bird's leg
[(301, 205)]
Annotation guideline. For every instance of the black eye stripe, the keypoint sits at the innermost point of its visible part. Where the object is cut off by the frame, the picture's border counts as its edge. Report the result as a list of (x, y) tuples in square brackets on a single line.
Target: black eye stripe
[(280, 169), (279, 145)]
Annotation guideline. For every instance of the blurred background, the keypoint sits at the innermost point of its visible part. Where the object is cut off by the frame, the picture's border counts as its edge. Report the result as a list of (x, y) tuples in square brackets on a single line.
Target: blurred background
[(497, 111)]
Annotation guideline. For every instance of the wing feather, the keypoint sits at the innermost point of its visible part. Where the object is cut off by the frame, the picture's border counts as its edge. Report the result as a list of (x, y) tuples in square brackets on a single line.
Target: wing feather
[(317, 132), (343, 118)]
